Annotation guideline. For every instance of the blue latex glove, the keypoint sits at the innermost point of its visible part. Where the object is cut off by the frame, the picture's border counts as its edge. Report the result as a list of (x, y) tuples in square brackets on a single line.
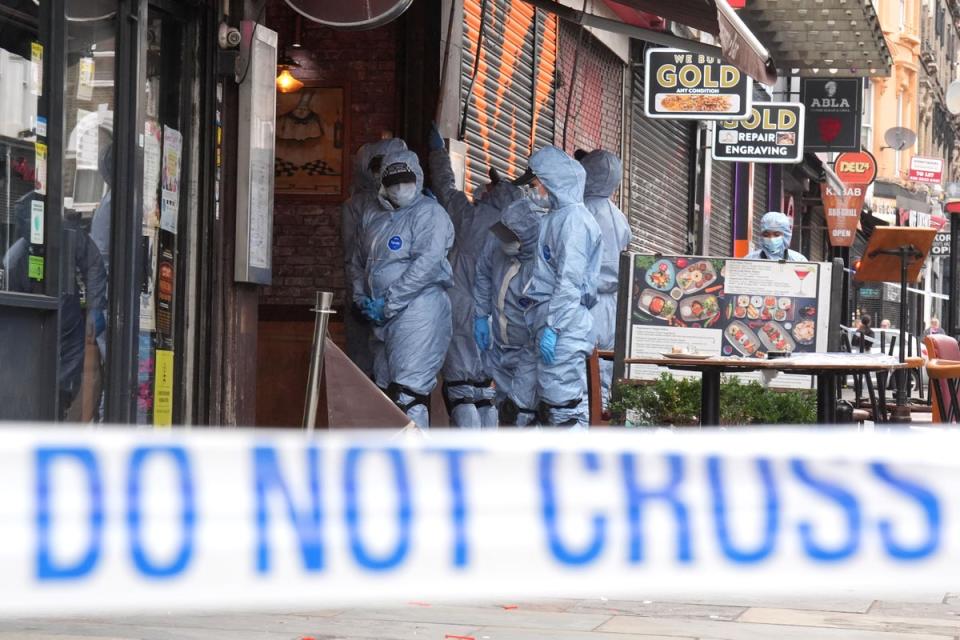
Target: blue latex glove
[(373, 309), (481, 332), (548, 345), (99, 322), (435, 141)]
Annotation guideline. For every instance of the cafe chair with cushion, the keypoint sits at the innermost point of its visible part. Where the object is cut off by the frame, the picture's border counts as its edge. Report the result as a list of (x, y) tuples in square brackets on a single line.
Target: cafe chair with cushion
[(943, 368)]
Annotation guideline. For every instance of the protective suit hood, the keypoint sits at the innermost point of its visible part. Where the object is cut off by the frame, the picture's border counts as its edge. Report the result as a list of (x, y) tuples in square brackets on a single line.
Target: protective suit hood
[(776, 221), (407, 161), (604, 173), (365, 180), (563, 177), (524, 220)]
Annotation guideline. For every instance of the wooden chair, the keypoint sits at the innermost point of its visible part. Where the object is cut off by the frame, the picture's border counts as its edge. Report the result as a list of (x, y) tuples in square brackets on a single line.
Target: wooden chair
[(598, 417), (943, 367)]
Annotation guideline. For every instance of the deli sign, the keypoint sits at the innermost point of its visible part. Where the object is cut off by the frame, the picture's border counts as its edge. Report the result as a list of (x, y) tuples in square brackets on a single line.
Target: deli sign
[(841, 208), (772, 133), (681, 85), (857, 167)]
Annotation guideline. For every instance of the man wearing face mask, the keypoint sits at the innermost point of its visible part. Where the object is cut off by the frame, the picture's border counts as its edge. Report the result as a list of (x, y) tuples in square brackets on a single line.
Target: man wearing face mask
[(363, 197), (563, 287), (604, 172), (775, 233), (503, 272), (399, 274), (468, 389)]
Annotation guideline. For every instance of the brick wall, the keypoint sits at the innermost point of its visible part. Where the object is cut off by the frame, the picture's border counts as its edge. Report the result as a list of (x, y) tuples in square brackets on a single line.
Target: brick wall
[(307, 252), (596, 110)]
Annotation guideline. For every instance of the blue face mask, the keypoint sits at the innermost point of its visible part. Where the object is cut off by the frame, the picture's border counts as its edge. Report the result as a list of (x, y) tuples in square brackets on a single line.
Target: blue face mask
[(773, 246)]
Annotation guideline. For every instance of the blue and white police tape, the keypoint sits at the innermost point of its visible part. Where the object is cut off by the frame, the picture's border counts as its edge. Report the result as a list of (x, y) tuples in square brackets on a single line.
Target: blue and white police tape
[(121, 520)]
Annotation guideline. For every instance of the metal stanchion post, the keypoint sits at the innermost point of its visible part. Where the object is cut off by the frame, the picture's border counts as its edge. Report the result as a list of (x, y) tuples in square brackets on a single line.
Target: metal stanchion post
[(323, 311)]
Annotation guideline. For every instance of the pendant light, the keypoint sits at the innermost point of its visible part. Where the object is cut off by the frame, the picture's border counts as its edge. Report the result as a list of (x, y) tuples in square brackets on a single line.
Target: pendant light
[(286, 81)]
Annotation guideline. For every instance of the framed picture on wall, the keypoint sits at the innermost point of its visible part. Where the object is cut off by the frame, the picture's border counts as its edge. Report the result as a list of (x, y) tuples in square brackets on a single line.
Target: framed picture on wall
[(310, 149)]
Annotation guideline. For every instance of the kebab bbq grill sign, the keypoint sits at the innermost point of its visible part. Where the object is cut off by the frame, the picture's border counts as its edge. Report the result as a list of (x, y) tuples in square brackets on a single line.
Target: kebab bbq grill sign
[(772, 133), (682, 85)]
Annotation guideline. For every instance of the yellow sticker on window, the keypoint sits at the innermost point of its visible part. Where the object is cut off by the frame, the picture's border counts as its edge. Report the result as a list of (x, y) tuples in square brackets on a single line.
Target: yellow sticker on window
[(163, 389), (36, 68)]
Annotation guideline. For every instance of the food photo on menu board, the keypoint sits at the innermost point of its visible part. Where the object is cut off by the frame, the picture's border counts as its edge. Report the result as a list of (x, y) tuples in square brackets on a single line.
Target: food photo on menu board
[(752, 307)]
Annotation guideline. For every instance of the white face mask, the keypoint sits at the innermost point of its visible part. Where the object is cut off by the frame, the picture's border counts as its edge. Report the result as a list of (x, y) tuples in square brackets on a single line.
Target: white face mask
[(400, 195), (511, 248), (538, 199)]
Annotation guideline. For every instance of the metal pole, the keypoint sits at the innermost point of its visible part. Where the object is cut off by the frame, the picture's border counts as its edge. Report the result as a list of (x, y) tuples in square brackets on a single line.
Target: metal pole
[(323, 311), (902, 413), (953, 325)]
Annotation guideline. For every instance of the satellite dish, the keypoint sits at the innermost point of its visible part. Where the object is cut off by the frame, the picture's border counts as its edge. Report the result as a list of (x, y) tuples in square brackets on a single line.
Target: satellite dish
[(953, 97), (899, 138), (350, 15)]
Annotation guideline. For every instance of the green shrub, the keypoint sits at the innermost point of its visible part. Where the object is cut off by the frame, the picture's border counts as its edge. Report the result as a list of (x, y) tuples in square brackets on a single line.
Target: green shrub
[(670, 401)]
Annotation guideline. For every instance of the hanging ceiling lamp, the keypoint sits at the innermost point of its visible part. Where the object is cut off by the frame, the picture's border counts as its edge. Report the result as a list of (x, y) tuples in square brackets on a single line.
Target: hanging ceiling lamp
[(286, 81)]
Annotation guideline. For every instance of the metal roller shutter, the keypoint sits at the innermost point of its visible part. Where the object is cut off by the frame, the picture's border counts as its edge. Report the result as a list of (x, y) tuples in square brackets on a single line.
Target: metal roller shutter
[(819, 248), (659, 177), (511, 107), (721, 209), (759, 197)]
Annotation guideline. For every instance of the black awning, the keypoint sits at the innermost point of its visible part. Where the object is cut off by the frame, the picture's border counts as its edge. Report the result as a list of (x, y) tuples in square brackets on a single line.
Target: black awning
[(738, 45)]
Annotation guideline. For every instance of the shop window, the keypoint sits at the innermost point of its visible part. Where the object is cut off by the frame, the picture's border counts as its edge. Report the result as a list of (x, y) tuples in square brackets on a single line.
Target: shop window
[(24, 90)]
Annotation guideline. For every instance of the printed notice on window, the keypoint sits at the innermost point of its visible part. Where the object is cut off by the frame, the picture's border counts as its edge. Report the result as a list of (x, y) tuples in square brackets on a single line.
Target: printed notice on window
[(766, 278), (40, 167), (170, 187), (151, 173)]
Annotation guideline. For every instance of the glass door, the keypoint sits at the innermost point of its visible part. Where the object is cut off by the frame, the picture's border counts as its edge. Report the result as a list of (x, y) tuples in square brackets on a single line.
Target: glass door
[(89, 85), (164, 223)]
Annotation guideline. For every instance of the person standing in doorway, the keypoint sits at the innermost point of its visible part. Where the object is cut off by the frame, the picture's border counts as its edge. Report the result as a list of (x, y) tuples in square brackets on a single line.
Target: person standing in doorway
[(400, 274), (363, 197)]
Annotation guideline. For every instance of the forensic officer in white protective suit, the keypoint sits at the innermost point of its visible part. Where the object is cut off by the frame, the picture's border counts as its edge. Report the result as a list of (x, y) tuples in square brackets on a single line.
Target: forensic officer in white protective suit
[(563, 288), (467, 385), (604, 173), (504, 270), (363, 197), (400, 273)]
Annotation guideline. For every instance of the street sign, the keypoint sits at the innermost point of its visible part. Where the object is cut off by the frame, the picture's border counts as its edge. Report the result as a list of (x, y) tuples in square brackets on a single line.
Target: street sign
[(773, 133), (681, 85), (833, 113), (928, 170)]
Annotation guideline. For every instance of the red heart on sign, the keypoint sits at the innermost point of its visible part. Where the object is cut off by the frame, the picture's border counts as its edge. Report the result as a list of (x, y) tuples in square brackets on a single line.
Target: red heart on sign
[(829, 128)]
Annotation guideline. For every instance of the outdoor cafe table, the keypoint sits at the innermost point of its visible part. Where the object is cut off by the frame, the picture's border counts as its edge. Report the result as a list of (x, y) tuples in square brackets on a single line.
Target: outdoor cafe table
[(827, 367)]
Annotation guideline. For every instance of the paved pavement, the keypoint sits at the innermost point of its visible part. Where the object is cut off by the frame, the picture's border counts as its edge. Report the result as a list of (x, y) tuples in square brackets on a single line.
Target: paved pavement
[(934, 617)]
